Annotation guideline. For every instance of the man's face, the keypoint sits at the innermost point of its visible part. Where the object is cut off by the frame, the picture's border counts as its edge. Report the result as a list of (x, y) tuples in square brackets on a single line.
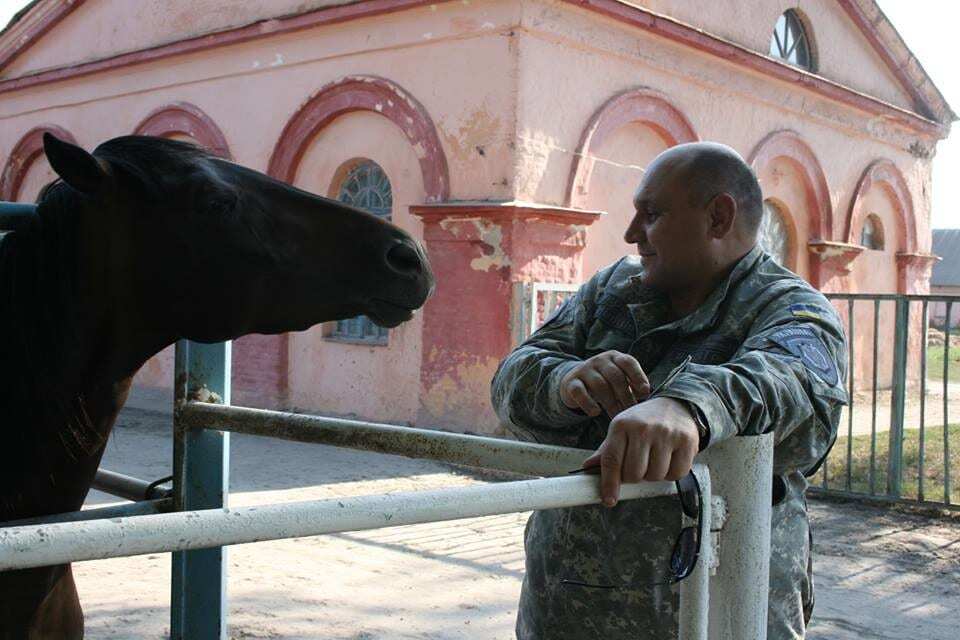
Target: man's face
[(670, 228)]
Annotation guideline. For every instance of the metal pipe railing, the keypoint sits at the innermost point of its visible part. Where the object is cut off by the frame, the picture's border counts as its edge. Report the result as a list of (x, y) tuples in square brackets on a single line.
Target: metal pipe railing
[(741, 472), (128, 487), (41, 545), (456, 448), (141, 508)]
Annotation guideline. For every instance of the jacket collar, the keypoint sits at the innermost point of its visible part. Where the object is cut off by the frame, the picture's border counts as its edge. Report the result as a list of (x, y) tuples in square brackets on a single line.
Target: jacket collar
[(651, 311)]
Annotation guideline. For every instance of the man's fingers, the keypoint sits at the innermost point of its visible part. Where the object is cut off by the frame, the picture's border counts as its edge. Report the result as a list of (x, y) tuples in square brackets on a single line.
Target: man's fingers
[(658, 464), (600, 391), (578, 392), (634, 374), (592, 461), (617, 382), (635, 461), (611, 464), (680, 464)]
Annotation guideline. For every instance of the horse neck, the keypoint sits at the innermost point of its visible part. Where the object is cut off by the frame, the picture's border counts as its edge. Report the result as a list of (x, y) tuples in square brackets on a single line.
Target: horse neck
[(58, 411)]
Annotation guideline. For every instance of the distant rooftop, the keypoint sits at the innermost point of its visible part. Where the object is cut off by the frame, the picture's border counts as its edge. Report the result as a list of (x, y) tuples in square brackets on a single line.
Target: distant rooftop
[(946, 244)]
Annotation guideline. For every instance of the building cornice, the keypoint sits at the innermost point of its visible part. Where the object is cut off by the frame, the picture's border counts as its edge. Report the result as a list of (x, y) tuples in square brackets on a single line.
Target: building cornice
[(687, 35), (619, 10)]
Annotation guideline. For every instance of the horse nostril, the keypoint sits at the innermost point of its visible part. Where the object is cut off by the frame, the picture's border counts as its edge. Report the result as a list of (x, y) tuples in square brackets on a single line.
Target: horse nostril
[(404, 259)]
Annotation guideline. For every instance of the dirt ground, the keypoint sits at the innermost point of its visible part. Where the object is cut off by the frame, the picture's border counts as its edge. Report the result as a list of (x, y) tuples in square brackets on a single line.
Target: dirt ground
[(880, 574), (932, 410)]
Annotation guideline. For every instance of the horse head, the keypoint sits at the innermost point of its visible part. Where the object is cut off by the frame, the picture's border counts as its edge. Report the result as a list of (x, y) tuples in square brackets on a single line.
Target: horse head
[(211, 250)]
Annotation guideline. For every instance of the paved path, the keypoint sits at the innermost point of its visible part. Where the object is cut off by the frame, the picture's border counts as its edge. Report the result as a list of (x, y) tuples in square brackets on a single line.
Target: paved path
[(879, 575)]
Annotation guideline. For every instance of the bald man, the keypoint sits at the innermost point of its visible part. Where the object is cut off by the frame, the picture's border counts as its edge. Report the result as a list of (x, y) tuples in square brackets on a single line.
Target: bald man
[(730, 343)]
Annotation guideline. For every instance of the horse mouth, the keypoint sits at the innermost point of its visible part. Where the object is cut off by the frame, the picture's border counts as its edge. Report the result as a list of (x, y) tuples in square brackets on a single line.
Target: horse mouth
[(389, 314)]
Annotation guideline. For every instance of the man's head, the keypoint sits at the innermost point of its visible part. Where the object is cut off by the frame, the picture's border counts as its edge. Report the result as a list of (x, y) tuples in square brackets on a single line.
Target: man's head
[(698, 210)]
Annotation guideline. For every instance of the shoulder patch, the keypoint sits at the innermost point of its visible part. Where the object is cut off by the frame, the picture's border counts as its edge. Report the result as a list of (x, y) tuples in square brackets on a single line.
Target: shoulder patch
[(806, 311), (809, 348)]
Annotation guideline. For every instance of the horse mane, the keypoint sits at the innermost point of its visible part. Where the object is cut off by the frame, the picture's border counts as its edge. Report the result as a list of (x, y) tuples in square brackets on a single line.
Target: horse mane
[(147, 164)]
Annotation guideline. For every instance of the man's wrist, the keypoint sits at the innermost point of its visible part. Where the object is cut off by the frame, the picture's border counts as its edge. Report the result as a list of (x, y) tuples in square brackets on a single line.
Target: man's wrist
[(703, 429)]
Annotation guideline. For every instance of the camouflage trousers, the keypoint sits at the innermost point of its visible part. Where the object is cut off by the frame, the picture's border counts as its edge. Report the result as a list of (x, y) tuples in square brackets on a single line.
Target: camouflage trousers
[(621, 554)]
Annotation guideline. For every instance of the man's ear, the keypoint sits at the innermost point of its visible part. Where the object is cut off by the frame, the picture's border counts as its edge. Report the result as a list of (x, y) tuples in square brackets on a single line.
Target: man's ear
[(75, 166), (723, 215)]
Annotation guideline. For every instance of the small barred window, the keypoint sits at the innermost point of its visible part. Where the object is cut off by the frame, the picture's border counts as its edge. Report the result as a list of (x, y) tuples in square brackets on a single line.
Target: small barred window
[(790, 41), (871, 236), (365, 186)]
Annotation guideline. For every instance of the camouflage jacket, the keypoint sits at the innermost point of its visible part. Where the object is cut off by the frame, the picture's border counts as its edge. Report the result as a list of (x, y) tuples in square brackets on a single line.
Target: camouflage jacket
[(765, 352)]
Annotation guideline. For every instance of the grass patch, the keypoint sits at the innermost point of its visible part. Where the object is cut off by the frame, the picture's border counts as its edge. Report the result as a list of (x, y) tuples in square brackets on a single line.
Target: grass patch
[(935, 355), (933, 464)]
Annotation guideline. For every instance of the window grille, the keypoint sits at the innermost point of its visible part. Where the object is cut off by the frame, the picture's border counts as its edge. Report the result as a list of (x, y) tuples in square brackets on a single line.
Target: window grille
[(871, 235), (366, 187), (790, 42)]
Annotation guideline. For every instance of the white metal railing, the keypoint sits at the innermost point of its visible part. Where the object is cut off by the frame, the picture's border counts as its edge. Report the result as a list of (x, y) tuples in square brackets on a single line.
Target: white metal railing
[(739, 470)]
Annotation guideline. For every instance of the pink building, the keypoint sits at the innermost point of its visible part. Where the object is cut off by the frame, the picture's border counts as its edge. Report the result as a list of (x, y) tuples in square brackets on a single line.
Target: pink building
[(508, 134)]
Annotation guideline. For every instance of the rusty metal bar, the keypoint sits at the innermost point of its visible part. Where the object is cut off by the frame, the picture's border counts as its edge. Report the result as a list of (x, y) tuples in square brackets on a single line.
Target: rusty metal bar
[(925, 320), (850, 382), (127, 487), (456, 448), (873, 420), (898, 399), (946, 405)]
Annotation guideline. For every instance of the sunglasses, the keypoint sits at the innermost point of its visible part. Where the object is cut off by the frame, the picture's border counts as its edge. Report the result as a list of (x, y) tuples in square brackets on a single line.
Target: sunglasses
[(686, 549)]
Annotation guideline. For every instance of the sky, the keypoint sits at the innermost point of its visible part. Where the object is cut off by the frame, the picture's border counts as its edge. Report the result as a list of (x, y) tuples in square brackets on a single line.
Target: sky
[(928, 27)]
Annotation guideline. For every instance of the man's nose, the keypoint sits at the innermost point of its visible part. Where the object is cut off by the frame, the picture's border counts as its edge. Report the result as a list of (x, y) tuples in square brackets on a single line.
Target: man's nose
[(635, 233)]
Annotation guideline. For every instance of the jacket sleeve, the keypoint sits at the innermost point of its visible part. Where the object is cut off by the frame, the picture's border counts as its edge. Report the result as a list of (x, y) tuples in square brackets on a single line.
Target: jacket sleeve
[(789, 377), (526, 388)]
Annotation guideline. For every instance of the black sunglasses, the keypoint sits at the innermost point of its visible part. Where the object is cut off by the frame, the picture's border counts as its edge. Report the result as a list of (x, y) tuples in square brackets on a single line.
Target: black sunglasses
[(686, 549)]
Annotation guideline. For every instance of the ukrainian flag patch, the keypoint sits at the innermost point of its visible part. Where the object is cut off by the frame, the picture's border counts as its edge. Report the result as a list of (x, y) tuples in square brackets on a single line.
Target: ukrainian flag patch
[(806, 311)]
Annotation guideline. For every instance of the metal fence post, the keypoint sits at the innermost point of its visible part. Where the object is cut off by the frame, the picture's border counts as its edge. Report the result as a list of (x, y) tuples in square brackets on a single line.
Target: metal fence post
[(741, 470), (898, 398), (201, 467)]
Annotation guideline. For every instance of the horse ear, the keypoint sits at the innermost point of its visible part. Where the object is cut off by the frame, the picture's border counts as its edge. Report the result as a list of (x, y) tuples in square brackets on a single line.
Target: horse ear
[(75, 166)]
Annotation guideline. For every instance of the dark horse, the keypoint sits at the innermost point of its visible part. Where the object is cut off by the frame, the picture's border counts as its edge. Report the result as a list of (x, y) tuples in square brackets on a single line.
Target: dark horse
[(144, 242)]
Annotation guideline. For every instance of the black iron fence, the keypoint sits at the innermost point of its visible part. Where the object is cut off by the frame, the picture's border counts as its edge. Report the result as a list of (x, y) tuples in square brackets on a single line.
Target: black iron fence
[(904, 384)]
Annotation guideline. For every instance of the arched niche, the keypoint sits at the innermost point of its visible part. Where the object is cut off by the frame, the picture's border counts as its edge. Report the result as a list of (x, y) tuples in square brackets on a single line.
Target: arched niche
[(183, 118), (364, 93), (884, 175), (633, 106), (23, 155)]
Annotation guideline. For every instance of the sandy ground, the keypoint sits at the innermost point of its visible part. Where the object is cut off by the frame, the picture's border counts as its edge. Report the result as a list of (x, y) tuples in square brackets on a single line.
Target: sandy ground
[(880, 574), (933, 409)]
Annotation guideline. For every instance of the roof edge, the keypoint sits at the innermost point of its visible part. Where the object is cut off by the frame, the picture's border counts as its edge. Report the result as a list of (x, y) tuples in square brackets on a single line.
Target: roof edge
[(30, 24), (892, 49)]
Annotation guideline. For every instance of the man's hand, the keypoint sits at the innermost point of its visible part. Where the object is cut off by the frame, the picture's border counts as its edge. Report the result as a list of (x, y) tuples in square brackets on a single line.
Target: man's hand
[(610, 381), (654, 440)]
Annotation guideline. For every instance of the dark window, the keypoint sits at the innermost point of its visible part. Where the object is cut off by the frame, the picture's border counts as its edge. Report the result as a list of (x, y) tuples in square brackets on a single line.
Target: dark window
[(871, 236), (790, 41), (774, 233), (366, 187)]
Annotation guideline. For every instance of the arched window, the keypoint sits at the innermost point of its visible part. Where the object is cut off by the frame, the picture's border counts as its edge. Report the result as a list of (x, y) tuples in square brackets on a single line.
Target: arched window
[(774, 235), (871, 235), (365, 186), (790, 41)]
